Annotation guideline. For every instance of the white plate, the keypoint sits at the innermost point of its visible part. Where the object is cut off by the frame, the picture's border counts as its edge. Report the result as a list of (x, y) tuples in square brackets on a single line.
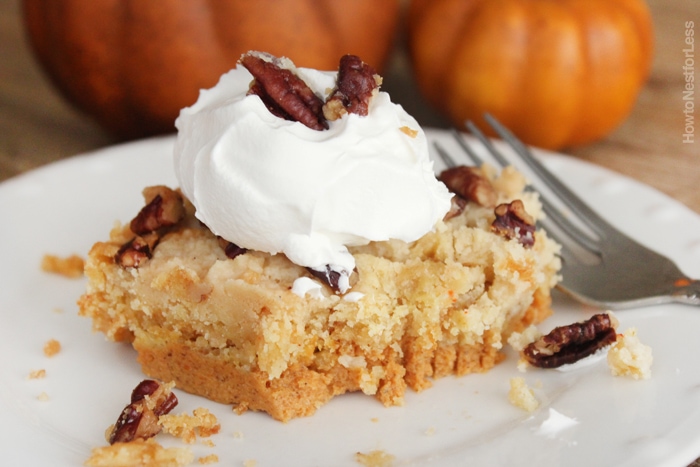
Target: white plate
[(64, 207)]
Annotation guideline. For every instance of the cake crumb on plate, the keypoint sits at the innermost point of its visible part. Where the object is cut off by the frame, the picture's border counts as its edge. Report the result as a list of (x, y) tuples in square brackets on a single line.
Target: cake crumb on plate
[(37, 374), (71, 266), (139, 452), (187, 427), (629, 357), (520, 395), (519, 340), (52, 347), (210, 459), (376, 458)]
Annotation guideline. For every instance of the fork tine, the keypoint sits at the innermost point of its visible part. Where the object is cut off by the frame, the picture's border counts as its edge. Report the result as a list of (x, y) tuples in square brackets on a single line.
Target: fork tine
[(446, 158), (472, 154), (624, 273), (474, 130), (572, 201)]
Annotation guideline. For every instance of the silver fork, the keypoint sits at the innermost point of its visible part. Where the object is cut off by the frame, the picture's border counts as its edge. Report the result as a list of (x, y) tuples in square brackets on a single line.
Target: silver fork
[(601, 266)]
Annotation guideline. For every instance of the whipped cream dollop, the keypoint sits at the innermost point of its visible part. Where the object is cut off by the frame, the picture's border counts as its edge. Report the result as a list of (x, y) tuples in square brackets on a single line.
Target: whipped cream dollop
[(273, 185)]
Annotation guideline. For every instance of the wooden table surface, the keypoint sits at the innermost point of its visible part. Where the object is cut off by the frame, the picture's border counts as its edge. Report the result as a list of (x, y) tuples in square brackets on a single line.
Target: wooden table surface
[(37, 126)]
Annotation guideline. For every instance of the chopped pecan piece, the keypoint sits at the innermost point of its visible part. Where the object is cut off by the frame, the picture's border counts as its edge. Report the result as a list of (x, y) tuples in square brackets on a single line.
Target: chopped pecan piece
[(356, 84), (284, 93), (468, 183), (338, 281), (136, 251), (512, 221), (457, 206), (230, 249), (164, 208), (569, 344), (139, 420)]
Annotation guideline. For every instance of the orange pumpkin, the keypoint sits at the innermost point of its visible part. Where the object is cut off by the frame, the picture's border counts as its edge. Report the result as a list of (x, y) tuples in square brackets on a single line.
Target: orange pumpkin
[(557, 72), (134, 64)]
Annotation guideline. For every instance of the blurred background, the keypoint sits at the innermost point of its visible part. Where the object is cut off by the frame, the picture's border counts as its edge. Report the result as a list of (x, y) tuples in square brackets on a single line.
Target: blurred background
[(39, 125)]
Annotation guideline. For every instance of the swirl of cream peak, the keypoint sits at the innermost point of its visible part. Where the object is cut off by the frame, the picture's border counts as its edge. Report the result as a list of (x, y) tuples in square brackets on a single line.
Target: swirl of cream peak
[(277, 186)]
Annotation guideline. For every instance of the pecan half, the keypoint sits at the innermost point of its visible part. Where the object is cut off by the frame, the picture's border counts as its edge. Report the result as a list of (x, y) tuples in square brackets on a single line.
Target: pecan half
[(139, 420), (569, 344), (512, 221), (468, 183), (284, 93), (136, 251), (356, 84), (164, 208), (230, 249)]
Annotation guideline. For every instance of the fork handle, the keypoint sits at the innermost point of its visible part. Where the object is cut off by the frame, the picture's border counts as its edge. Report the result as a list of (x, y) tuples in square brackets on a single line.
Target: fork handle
[(686, 290)]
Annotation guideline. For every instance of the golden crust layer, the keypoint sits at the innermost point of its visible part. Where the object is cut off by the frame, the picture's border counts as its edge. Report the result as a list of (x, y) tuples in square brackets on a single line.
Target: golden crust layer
[(233, 330)]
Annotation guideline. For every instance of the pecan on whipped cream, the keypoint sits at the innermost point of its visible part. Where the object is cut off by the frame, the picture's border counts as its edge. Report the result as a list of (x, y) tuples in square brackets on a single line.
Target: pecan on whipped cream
[(308, 189)]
